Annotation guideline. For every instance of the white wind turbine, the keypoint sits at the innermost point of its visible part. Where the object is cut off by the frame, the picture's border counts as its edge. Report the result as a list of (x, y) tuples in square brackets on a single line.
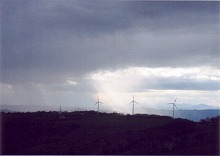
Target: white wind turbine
[(133, 102), (98, 102), (173, 106)]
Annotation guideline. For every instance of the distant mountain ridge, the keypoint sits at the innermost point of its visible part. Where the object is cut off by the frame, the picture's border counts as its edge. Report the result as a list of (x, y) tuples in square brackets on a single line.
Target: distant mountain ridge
[(5, 110), (202, 107), (196, 113)]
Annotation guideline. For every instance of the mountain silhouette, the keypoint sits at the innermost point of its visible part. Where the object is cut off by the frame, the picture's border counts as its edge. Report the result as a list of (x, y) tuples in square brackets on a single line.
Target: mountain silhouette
[(89, 132), (202, 107)]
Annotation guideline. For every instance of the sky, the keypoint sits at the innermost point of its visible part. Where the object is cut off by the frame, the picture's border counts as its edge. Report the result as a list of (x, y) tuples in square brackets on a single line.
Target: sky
[(67, 52)]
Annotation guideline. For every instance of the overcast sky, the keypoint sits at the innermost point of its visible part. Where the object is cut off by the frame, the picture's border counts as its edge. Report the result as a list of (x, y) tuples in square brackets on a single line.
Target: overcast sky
[(66, 52)]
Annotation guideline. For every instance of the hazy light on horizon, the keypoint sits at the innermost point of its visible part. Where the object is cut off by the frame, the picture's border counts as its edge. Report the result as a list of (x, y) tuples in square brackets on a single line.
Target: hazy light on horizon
[(116, 88)]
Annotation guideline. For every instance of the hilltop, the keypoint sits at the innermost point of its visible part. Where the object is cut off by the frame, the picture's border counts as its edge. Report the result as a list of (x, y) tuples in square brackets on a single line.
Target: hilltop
[(87, 132), (195, 113)]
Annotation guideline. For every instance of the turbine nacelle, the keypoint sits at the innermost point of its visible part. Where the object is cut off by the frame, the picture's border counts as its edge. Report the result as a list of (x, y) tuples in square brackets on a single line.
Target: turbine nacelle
[(133, 102), (173, 106), (98, 102)]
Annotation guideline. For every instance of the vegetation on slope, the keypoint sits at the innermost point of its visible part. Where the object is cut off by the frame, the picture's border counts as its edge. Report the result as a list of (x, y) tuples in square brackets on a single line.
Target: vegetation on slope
[(91, 133)]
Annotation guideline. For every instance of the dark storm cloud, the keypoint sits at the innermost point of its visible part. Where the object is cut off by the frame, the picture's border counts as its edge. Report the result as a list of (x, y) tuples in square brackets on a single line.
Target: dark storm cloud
[(47, 41)]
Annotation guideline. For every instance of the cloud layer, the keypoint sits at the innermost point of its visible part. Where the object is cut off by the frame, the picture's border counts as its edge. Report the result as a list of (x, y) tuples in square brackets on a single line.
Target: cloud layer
[(51, 46), (74, 37)]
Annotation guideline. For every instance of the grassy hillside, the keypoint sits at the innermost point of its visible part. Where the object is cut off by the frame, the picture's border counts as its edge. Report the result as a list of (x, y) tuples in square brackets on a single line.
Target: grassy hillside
[(91, 133)]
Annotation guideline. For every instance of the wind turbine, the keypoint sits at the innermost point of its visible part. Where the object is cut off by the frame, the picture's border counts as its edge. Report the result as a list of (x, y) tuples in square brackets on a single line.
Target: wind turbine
[(98, 102), (173, 106), (60, 110), (133, 105), (60, 114)]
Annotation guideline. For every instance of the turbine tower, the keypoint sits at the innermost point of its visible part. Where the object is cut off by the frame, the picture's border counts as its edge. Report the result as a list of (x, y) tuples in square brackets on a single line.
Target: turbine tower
[(98, 102), (133, 102), (173, 106), (60, 110)]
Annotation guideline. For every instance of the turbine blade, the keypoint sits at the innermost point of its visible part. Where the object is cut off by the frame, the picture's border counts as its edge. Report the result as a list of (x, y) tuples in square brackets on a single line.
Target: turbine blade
[(175, 106), (175, 100)]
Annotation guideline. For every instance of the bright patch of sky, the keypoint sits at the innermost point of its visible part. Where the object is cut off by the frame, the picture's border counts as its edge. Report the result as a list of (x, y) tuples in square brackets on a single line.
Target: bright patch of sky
[(153, 87)]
